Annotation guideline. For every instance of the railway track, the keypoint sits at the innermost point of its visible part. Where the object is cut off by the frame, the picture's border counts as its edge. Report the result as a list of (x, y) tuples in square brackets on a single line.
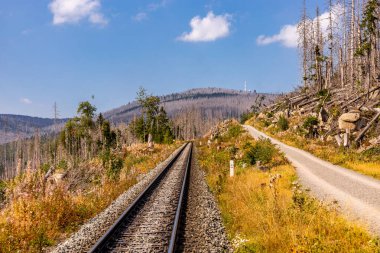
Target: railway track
[(152, 221)]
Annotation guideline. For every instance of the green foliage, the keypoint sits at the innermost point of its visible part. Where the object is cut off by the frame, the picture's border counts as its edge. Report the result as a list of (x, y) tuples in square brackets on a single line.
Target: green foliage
[(246, 116), (115, 166), (3, 187), (283, 123), (154, 120), (62, 165), (112, 163), (41, 240), (86, 111), (310, 122), (45, 167), (263, 150), (322, 93), (234, 131), (369, 24), (109, 137), (335, 111), (82, 132)]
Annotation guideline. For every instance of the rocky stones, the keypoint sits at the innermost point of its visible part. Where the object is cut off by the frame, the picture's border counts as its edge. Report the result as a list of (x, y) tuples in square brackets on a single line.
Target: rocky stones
[(351, 117), (351, 121), (346, 125)]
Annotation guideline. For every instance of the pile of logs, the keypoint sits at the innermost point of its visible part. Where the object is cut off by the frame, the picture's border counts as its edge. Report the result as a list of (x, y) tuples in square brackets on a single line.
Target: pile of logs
[(345, 114)]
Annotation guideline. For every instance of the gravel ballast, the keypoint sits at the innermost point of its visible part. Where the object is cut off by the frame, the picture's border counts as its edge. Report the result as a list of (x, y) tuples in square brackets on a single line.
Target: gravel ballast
[(90, 232), (203, 230)]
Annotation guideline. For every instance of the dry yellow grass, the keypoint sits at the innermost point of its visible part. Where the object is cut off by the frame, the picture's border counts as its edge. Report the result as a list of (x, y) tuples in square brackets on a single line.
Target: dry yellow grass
[(35, 218), (366, 164), (269, 211)]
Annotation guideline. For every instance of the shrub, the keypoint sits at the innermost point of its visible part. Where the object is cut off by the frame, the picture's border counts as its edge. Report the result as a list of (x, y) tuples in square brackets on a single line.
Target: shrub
[(263, 150), (310, 122), (114, 167), (234, 131), (283, 123), (246, 116)]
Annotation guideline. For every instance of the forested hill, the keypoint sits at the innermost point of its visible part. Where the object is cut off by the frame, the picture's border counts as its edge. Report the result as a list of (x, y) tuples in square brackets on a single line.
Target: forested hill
[(196, 110), (14, 126), (193, 111), (226, 102)]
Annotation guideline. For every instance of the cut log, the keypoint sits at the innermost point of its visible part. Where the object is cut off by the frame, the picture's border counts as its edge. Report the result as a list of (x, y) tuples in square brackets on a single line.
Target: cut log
[(308, 102), (360, 96), (49, 173), (362, 133)]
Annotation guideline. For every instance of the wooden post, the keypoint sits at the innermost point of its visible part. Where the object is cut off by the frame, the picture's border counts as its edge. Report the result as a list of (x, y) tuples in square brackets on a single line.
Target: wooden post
[(346, 138), (232, 168), (338, 139), (150, 141)]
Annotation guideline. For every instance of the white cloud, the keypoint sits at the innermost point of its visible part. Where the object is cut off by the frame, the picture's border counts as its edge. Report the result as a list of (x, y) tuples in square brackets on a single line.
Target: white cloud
[(26, 101), (152, 7), (288, 35), (140, 16), (73, 11), (209, 28)]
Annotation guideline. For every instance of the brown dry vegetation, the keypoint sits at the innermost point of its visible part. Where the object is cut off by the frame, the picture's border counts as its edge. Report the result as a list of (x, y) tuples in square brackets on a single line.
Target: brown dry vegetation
[(367, 163), (40, 213), (268, 211)]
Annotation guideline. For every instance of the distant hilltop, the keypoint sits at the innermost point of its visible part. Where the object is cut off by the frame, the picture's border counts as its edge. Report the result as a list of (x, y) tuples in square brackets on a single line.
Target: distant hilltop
[(224, 103), (13, 127), (202, 107)]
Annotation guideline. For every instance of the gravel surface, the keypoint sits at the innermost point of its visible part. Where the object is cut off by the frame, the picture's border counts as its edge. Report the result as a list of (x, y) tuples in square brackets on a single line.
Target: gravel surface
[(203, 230), (357, 194), (149, 228), (90, 232)]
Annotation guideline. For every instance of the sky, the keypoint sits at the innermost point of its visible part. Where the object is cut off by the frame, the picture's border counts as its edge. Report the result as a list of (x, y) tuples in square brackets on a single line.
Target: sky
[(67, 51)]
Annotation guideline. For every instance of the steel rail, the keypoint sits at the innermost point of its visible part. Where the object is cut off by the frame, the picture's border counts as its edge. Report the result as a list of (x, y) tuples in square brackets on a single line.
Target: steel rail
[(176, 225), (101, 244)]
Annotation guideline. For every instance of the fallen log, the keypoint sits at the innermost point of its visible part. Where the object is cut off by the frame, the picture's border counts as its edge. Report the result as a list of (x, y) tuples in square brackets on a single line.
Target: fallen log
[(360, 96), (361, 134), (308, 102)]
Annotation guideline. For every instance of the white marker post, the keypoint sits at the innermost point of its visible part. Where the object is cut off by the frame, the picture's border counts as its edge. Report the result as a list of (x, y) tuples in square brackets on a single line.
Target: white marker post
[(232, 168)]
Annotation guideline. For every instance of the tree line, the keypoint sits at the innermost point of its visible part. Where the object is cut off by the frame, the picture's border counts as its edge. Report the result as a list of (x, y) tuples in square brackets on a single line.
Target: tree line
[(341, 49), (84, 137)]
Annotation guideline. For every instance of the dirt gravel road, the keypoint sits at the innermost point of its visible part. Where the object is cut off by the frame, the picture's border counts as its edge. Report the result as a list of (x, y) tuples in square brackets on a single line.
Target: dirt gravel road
[(357, 194)]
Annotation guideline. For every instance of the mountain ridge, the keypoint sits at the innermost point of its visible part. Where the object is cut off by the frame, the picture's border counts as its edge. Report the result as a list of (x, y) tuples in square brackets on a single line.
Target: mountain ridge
[(212, 104)]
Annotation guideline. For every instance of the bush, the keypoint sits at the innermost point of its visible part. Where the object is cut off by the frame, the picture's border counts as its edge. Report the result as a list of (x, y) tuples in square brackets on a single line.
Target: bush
[(263, 150), (114, 167), (234, 131), (310, 122), (283, 123), (246, 116)]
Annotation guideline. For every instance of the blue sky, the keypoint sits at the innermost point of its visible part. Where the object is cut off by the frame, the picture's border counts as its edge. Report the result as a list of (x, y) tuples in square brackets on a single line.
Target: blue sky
[(68, 50)]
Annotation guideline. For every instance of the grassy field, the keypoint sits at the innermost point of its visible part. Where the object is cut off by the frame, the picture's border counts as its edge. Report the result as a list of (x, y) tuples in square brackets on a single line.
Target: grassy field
[(36, 216), (268, 211), (367, 163)]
